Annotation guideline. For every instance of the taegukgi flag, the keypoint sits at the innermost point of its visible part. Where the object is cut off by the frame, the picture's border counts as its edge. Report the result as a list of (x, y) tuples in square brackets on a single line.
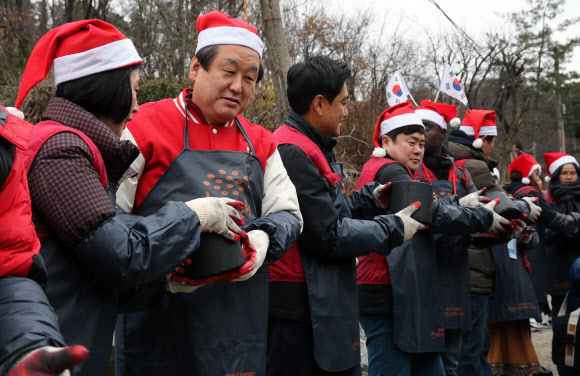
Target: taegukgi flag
[(397, 91), (450, 85)]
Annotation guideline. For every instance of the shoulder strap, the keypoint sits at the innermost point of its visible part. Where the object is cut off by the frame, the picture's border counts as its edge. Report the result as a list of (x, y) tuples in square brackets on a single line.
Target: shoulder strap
[(524, 190), (45, 130), (288, 135)]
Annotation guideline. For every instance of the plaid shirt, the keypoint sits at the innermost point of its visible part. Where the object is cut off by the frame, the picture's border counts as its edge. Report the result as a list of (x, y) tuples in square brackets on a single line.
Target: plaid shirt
[(67, 196)]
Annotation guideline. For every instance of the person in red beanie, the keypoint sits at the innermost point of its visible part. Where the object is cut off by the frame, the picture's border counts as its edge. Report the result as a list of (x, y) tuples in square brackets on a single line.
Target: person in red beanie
[(93, 251), (198, 145), (30, 340)]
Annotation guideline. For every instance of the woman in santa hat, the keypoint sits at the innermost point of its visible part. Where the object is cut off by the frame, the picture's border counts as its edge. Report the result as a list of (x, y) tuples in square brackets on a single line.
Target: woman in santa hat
[(564, 197), (93, 251)]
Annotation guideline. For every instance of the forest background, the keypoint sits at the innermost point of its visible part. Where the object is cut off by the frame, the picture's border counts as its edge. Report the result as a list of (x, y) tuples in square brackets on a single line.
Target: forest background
[(525, 75)]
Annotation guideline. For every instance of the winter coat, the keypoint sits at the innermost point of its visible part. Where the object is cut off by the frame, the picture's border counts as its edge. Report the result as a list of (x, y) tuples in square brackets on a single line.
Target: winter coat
[(92, 250)]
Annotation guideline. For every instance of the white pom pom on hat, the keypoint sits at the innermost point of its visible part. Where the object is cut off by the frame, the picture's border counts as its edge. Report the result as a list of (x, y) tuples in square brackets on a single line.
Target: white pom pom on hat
[(526, 181), (379, 153), (455, 123), (477, 143), (547, 179), (16, 112)]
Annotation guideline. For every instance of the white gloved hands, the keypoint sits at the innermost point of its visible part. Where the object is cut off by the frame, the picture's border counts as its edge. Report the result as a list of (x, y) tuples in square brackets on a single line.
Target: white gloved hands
[(499, 224), (526, 235), (410, 225), (535, 210), (383, 196), (255, 250), (219, 215), (473, 199)]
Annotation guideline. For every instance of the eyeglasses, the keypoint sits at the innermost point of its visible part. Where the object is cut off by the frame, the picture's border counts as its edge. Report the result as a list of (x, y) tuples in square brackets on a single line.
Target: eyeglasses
[(569, 173)]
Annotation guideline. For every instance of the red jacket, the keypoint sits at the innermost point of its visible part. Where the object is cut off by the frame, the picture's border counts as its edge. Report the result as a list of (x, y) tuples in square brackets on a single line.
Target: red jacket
[(373, 268), (18, 240)]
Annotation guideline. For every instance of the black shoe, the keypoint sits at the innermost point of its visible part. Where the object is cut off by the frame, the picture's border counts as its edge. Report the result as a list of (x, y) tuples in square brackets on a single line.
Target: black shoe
[(545, 372)]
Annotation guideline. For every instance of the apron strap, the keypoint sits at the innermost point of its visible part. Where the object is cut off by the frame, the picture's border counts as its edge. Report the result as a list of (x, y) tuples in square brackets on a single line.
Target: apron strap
[(245, 135), (185, 130), (240, 127)]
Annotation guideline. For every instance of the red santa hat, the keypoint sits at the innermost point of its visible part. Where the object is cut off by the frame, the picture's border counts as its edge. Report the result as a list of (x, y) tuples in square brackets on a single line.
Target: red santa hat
[(478, 123), (217, 28), (556, 160), (397, 116), (526, 165), (439, 113), (75, 50)]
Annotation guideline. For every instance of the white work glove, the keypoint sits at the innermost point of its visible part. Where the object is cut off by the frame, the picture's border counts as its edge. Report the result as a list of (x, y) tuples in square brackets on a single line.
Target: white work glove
[(383, 196), (410, 225), (255, 249), (499, 224), (219, 215), (177, 282), (535, 210), (473, 199), (49, 361)]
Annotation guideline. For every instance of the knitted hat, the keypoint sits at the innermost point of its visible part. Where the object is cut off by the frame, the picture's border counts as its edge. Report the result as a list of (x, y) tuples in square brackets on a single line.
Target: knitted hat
[(397, 116), (526, 165), (439, 113), (75, 50), (556, 160), (478, 123), (217, 28)]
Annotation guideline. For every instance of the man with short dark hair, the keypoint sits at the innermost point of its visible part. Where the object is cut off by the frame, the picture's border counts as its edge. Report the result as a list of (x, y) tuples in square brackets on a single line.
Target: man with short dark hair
[(313, 324), (194, 146)]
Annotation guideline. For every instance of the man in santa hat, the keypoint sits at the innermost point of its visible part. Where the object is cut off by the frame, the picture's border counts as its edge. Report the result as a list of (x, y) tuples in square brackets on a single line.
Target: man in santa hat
[(198, 145), (313, 325), (472, 145), (30, 340), (402, 319), (439, 170)]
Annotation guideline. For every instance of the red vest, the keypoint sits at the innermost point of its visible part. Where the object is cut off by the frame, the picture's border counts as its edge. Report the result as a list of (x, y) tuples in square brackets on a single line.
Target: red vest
[(45, 130), (18, 241), (289, 268), (373, 269)]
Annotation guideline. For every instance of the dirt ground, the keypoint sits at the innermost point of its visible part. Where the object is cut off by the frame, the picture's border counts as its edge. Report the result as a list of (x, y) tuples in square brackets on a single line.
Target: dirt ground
[(542, 339)]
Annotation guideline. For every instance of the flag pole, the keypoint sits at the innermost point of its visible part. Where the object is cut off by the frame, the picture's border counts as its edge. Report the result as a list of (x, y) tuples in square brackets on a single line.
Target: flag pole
[(439, 89), (411, 95)]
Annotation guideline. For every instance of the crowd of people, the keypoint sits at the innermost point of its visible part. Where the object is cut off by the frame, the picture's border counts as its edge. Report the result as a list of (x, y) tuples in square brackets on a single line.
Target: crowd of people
[(109, 210)]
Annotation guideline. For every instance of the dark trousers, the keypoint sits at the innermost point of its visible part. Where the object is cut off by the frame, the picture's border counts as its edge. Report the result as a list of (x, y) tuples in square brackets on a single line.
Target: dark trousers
[(475, 341), (452, 352), (387, 359), (291, 350)]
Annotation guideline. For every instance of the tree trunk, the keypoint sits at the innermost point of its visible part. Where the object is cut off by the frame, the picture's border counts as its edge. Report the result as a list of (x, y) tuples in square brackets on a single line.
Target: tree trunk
[(278, 55)]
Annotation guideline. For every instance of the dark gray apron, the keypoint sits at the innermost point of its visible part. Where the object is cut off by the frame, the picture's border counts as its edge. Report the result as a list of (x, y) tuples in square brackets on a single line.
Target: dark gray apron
[(332, 293), (452, 263), (220, 329), (87, 311), (515, 297), (416, 304)]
